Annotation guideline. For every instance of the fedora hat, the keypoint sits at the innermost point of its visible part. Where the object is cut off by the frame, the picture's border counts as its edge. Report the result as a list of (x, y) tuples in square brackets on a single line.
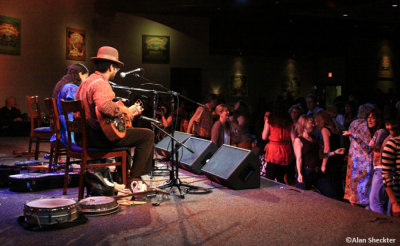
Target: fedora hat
[(107, 53)]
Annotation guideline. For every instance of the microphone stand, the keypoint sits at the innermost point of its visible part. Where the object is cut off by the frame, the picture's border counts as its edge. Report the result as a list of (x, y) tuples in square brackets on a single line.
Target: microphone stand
[(154, 168), (174, 173), (174, 179)]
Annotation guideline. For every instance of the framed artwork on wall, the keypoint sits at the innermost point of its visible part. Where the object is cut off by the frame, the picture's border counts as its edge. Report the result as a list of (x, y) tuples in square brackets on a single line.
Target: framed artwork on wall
[(10, 35), (238, 84), (76, 44), (155, 49)]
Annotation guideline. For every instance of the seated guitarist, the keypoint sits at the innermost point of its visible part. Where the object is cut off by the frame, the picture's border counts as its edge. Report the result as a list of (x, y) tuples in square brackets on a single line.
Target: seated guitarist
[(96, 91)]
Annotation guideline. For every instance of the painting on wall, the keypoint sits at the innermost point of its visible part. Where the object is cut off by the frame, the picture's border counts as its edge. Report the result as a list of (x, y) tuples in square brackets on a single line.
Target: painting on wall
[(76, 44), (239, 86), (155, 49), (10, 35)]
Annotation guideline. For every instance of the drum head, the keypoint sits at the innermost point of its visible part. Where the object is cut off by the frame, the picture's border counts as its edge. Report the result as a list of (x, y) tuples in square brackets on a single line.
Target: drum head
[(50, 203), (98, 205)]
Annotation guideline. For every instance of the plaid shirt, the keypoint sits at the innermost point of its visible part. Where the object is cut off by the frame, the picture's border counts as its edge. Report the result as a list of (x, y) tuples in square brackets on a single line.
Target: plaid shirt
[(94, 92)]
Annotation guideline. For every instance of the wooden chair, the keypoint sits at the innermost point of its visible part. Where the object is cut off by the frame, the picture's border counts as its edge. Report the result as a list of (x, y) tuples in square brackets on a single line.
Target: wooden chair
[(57, 148), (38, 133), (83, 152)]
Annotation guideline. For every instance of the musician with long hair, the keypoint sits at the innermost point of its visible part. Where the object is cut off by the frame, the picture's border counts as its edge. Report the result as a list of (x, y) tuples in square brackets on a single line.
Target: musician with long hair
[(74, 74), (65, 89)]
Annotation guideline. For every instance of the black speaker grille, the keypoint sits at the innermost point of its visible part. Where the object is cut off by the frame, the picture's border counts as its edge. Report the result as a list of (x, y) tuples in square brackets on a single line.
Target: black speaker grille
[(224, 162), (164, 146), (197, 145)]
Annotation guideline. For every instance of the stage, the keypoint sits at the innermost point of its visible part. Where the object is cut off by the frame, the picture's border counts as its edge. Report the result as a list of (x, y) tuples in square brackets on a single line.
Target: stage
[(274, 214)]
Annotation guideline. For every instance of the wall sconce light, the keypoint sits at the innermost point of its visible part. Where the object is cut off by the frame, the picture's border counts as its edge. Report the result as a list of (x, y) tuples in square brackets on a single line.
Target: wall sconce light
[(395, 3)]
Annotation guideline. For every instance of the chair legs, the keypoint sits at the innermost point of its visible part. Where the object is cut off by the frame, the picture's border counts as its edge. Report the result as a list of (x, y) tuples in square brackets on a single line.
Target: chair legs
[(66, 177), (124, 173), (30, 148), (81, 179), (37, 150), (36, 141), (51, 156), (83, 168), (54, 154)]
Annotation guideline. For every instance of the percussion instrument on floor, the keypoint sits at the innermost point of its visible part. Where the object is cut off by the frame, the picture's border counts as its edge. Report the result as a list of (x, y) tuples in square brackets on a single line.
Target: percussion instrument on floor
[(50, 211), (98, 205)]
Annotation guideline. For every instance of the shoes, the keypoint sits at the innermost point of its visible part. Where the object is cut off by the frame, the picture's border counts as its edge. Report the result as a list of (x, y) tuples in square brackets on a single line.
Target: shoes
[(136, 185), (118, 187)]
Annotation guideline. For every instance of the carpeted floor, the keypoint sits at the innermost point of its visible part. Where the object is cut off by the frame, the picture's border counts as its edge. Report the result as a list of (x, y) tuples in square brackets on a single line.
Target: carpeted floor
[(274, 214)]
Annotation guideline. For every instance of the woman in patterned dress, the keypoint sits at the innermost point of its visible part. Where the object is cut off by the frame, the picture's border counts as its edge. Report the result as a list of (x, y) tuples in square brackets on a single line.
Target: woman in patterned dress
[(359, 161)]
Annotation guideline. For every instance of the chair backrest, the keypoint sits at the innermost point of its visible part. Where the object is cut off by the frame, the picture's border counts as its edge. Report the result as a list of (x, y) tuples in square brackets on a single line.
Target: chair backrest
[(51, 105), (77, 125), (34, 111)]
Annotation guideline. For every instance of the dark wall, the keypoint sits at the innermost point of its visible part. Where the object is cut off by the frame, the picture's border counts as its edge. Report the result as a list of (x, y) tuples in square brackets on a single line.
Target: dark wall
[(274, 56), (43, 57)]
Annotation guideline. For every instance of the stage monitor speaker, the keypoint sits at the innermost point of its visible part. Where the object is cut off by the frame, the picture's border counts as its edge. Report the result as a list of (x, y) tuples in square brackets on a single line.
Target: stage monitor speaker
[(164, 146), (203, 150), (234, 167)]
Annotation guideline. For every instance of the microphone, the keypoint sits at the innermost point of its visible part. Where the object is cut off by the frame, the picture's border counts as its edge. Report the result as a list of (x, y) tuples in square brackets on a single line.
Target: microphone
[(117, 99), (134, 71), (149, 119)]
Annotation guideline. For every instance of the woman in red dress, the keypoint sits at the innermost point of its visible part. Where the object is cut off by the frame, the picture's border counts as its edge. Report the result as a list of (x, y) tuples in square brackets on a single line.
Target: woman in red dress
[(278, 152)]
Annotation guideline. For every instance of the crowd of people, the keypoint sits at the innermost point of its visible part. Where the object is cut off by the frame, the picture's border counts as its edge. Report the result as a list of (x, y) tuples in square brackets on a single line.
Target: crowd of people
[(349, 151)]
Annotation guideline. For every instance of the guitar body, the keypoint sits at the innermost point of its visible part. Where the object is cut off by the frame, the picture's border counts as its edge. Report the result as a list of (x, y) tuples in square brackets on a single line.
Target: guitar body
[(113, 127)]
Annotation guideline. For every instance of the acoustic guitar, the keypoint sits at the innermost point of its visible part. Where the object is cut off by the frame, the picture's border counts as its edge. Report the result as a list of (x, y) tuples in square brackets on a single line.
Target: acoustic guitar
[(114, 128)]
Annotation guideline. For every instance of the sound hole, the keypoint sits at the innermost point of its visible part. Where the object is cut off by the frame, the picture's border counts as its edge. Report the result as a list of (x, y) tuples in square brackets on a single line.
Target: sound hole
[(119, 124)]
